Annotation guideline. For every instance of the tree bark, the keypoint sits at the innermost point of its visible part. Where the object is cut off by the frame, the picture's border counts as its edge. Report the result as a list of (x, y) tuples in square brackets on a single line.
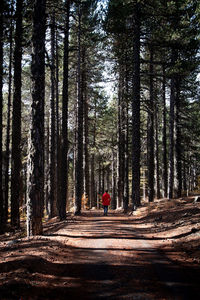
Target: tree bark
[(158, 194), (58, 138), (35, 201), (52, 122), (64, 134), (171, 129), (113, 202), (126, 149), (7, 157), (178, 144), (136, 111), (123, 136), (94, 193), (100, 178), (16, 120), (164, 137), (103, 179), (150, 145), (86, 129), (79, 161), (93, 202), (120, 150), (108, 178), (184, 174), (46, 168), (1, 108)]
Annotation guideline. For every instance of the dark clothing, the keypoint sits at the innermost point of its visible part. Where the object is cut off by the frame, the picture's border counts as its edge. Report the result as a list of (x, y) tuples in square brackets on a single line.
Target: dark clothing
[(105, 210)]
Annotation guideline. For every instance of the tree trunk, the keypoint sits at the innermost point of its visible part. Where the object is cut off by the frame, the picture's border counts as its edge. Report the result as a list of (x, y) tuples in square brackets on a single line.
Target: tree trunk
[(100, 180), (93, 202), (103, 179), (64, 134), (35, 201), (113, 202), (150, 145), (158, 195), (58, 148), (164, 137), (52, 124), (123, 136), (136, 110), (108, 178), (1, 108), (86, 167), (86, 128), (126, 149), (178, 144), (79, 161), (47, 171), (120, 150), (16, 120), (94, 192), (171, 130), (184, 174), (7, 157)]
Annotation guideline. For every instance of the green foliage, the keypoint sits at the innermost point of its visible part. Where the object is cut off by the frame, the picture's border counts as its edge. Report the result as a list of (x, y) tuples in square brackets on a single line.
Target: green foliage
[(165, 26)]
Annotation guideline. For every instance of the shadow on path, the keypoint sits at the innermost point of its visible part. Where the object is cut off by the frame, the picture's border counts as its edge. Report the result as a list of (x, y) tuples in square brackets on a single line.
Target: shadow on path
[(98, 266)]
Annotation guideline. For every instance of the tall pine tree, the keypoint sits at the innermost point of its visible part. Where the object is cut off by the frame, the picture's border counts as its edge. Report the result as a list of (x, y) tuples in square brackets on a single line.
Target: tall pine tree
[(35, 201)]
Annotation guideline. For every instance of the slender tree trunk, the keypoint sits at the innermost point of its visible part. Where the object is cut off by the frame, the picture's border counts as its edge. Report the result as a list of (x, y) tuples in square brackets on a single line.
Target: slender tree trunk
[(58, 152), (35, 201), (87, 171), (108, 178), (79, 161), (47, 171), (74, 159), (126, 149), (171, 130), (25, 188), (1, 108), (100, 180), (178, 145), (16, 120), (93, 193), (7, 157), (136, 110), (86, 128), (103, 179), (113, 202), (123, 136), (150, 145), (184, 175), (188, 169), (64, 134), (52, 127), (120, 150), (75, 115), (144, 185), (158, 195), (164, 137)]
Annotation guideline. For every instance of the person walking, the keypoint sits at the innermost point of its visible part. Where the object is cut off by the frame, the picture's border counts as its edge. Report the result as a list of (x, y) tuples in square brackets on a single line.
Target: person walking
[(106, 201)]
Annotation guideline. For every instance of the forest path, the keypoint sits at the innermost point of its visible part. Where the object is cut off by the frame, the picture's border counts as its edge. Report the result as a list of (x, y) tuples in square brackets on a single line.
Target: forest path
[(121, 259), (96, 257)]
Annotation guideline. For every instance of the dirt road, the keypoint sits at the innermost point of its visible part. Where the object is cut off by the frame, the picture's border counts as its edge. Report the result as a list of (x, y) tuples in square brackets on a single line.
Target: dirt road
[(96, 257)]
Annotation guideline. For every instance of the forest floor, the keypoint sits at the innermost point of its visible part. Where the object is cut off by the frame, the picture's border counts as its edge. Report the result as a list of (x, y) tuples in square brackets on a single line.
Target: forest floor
[(153, 253)]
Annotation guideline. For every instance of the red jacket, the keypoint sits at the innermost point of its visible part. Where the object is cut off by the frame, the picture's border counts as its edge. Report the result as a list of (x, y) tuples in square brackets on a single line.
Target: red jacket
[(106, 199)]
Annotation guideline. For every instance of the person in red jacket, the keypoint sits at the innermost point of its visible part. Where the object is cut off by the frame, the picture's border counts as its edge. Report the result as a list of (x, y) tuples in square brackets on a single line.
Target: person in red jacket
[(106, 201)]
